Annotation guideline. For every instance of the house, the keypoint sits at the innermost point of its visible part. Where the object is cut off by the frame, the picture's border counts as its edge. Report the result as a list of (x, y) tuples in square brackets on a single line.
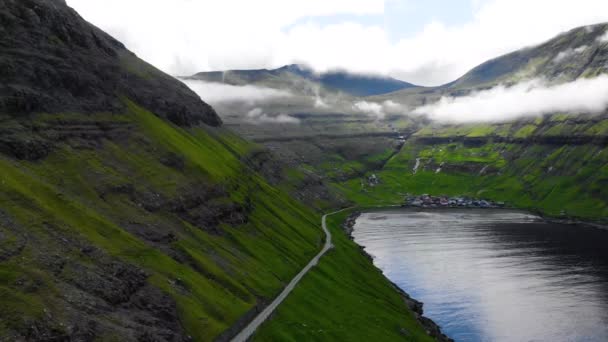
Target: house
[(416, 203)]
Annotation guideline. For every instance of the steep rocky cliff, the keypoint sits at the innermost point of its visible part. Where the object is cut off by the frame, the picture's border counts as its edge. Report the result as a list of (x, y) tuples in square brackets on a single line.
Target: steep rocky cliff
[(55, 62)]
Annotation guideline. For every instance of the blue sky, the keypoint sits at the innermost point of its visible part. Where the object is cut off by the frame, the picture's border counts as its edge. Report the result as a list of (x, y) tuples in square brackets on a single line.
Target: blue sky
[(405, 18), (424, 42)]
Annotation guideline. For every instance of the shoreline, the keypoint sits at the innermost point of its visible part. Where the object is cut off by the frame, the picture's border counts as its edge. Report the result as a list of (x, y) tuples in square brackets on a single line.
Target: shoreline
[(416, 306), (571, 221), (432, 328)]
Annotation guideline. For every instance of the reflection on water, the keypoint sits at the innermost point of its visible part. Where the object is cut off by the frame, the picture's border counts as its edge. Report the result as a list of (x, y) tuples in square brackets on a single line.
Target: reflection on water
[(495, 275)]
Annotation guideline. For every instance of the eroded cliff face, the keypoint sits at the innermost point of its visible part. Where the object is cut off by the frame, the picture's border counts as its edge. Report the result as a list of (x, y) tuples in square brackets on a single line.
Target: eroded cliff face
[(53, 61)]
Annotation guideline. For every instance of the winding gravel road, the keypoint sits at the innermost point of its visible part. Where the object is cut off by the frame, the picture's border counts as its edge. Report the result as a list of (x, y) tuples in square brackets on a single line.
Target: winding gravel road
[(263, 316)]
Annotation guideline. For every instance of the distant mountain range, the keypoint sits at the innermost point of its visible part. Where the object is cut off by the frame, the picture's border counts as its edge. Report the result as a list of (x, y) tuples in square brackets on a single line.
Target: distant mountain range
[(341, 81), (578, 53), (581, 52), (553, 162)]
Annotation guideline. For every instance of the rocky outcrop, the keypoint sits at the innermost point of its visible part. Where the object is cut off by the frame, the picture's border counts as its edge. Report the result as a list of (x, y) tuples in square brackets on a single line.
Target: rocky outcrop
[(265, 163), (349, 224), (34, 140), (99, 295), (205, 206), (417, 308), (53, 61), (25, 148)]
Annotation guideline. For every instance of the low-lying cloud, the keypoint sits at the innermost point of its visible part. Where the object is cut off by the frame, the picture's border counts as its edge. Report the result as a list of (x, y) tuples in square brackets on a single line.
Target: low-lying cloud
[(531, 98), (217, 93), (258, 116), (319, 102), (391, 107), (379, 110), (604, 38), (370, 108), (569, 53)]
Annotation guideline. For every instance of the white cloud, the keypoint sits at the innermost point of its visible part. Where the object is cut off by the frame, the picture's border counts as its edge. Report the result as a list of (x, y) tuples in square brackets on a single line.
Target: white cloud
[(604, 38), (391, 107), (185, 36), (498, 27), (379, 110), (370, 108), (319, 102), (569, 53), (529, 98), (257, 116), (217, 93)]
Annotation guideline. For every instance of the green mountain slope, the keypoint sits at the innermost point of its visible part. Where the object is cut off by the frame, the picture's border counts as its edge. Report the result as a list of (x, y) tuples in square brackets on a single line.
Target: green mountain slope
[(123, 215), (156, 233), (580, 52), (555, 164), (128, 213)]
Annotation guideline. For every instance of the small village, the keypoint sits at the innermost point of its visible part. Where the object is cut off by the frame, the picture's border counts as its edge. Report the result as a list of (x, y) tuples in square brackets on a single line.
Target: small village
[(428, 201)]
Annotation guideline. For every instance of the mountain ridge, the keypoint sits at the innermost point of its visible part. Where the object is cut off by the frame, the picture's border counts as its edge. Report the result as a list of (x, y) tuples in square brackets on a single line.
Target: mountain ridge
[(551, 58), (54, 79), (344, 81)]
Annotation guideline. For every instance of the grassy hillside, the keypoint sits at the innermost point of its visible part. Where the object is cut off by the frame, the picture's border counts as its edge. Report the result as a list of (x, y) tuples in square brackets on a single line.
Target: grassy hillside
[(87, 232), (164, 231), (557, 165), (345, 298)]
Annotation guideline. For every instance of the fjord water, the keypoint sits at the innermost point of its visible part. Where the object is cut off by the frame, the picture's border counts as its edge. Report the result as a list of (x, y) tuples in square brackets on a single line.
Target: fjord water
[(495, 275)]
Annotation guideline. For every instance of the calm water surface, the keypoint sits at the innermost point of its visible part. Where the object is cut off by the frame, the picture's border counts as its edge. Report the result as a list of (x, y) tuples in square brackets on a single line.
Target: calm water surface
[(487, 275)]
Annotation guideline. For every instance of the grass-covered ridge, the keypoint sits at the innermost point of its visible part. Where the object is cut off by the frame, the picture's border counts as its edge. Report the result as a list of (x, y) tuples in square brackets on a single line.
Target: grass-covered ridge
[(68, 217)]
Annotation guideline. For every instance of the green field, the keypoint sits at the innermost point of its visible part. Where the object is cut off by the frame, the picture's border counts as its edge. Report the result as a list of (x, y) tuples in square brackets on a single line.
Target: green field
[(566, 180)]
